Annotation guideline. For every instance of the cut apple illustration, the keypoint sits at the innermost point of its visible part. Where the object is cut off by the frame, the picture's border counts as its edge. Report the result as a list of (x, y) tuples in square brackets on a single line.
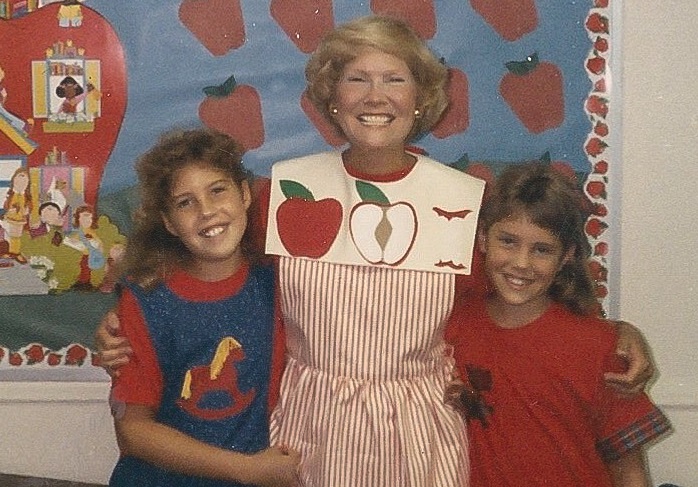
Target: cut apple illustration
[(382, 232), (307, 228)]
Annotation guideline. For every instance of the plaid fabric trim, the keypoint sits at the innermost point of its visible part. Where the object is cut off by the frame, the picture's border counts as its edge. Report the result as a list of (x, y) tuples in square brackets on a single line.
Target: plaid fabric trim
[(642, 431)]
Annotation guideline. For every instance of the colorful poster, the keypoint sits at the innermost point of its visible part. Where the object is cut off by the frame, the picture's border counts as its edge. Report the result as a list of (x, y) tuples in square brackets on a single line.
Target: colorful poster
[(89, 85)]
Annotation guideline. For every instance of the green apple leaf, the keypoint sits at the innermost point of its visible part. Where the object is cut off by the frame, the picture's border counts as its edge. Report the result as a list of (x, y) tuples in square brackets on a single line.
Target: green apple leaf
[(370, 193), (292, 189), (522, 68), (222, 90)]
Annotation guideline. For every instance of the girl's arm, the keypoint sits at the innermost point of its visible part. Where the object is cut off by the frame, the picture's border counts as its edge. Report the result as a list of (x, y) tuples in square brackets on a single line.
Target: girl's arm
[(140, 435), (630, 470)]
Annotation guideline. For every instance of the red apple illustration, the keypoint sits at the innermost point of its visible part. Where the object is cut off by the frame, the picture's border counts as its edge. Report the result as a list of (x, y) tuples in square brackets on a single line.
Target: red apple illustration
[(456, 118), (235, 110), (419, 14), (382, 232), (596, 189), (307, 228), (597, 23), (601, 249), (95, 40), (15, 359), (305, 22), (533, 90), (596, 65), (53, 359), (35, 354), (598, 271), (511, 19), (597, 105), (595, 227), (595, 146), (217, 24), (75, 355), (601, 167)]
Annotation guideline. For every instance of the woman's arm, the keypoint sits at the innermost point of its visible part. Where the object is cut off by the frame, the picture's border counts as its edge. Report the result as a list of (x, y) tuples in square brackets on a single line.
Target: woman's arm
[(632, 348), (140, 435), (630, 470)]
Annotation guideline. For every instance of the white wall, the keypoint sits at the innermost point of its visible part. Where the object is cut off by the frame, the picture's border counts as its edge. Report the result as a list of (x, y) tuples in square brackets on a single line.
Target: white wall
[(659, 259), (67, 432)]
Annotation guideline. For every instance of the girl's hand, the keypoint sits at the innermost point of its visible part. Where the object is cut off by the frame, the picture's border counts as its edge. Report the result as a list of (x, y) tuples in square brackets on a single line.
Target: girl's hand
[(276, 466), (113, 350), (633, 348)]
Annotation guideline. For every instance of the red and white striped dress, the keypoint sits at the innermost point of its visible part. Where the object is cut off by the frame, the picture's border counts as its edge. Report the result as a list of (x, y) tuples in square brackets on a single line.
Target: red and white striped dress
[(362, 397)]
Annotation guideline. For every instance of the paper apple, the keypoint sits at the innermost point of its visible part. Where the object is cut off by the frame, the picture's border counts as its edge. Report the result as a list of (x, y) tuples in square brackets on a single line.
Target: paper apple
[(235, 110), (306, 227), (382, 232), (217, 24), (32, 36)]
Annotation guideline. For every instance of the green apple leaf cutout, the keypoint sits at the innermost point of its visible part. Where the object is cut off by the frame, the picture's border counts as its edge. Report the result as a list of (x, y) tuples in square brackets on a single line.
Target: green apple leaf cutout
[(462, 163), (522, 68), (292, 189), (545, 158), (223, 90), (370, 193)]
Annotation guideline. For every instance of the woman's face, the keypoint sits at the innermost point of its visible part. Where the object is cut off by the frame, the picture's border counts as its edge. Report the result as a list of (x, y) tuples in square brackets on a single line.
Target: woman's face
[(375, 98)]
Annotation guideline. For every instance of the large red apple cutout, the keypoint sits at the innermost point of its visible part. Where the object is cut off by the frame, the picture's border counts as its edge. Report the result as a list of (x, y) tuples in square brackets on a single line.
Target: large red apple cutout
[(41, 53), (382, 232), (307, 228), (534, 92), (418, 14), (235, 110), (217, 24), (305, 22)]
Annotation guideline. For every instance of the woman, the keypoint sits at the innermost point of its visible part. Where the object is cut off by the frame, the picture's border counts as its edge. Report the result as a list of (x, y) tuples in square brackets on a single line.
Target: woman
[(370, 262)]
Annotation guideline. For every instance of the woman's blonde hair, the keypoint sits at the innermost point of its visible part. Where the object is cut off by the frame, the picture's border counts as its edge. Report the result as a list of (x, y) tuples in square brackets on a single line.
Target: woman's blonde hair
[(152, 251), (386, 34)]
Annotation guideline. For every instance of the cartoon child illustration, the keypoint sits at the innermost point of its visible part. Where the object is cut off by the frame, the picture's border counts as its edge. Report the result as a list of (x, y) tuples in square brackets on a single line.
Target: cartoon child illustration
[(51, 220), (14, 120), (18, 205), (70, 14), (85, 240)]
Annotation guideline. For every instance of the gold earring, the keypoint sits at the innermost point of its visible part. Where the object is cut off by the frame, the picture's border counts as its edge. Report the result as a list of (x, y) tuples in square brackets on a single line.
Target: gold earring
[(334, 111), (417, 113)]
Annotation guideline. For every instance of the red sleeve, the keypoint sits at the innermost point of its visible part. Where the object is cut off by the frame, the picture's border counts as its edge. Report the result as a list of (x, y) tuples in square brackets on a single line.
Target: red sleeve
[(139, 381), (278, 358)]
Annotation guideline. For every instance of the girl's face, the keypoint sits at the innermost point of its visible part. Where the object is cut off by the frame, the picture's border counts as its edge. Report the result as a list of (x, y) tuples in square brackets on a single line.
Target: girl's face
[(20, 182), (208, 212), (85, 219), (521, 261), (375, 100)]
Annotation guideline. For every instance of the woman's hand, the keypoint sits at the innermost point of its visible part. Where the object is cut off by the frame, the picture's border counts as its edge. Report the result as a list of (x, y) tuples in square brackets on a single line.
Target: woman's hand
[(633, 348), (113, 350)]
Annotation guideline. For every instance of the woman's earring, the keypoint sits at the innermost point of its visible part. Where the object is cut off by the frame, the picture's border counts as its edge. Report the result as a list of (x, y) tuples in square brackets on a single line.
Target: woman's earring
[(417, 113), (333, 110)]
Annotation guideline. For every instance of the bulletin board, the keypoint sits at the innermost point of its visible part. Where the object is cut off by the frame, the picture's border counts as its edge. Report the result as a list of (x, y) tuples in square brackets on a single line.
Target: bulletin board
[(89, 86)]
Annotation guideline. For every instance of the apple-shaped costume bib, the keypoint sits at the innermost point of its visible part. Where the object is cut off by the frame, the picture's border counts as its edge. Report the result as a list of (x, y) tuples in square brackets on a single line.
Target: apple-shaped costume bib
[(424, 221)]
